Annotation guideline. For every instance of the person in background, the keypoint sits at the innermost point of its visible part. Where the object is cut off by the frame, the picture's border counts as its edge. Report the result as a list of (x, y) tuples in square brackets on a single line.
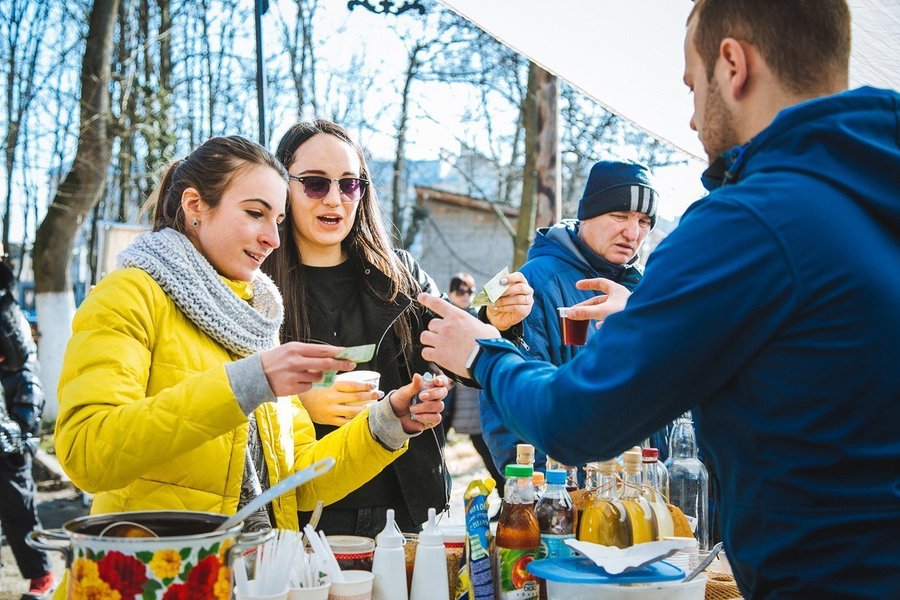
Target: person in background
[(347, 285), (175, 393), (616, 212), (461, 410), (23, 403), (766, 313)]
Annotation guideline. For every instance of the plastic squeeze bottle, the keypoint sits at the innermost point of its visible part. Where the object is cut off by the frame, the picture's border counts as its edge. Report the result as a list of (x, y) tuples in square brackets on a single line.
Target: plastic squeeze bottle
[(430, 580), (389, 565)]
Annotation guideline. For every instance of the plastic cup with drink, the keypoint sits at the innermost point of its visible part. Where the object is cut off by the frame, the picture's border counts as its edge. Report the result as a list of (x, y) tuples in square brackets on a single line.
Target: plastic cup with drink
[(574, 333)]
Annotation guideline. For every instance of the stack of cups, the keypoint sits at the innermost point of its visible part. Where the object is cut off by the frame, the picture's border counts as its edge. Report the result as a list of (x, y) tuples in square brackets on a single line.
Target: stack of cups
[(686, 558)]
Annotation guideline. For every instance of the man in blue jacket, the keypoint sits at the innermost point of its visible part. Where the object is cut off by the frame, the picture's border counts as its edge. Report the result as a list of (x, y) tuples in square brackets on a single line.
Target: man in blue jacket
[(771, 311), (615, 214)]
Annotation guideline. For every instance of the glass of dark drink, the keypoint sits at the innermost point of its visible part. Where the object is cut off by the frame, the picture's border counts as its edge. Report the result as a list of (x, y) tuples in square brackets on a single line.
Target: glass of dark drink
[(574, 333)]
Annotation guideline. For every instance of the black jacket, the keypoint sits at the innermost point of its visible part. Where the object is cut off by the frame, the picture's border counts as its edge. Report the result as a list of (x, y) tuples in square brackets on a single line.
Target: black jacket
[(19, 369)]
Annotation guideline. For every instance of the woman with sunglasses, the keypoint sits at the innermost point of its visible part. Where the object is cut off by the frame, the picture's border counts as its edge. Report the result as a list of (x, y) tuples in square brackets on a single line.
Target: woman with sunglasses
[(346, 285), (174, 392)]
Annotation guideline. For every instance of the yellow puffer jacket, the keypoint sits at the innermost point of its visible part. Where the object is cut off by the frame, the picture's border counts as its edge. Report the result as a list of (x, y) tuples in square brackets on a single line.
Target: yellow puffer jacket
[(148, 419)]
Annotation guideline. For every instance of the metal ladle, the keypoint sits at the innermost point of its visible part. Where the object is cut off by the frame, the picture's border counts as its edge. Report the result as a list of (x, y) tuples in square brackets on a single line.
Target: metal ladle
[(704, 563), (295, 480)]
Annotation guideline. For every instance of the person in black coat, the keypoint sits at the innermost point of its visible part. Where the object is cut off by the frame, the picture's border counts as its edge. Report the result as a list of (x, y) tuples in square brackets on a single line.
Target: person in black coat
[(23, 403)]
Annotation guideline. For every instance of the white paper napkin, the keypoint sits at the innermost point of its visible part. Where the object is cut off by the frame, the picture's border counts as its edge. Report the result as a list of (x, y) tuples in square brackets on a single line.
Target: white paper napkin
[(617, 560)]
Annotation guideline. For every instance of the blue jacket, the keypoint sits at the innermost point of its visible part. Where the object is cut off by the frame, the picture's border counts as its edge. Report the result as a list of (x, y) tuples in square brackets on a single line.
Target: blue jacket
[(555, 263), (772, 311)]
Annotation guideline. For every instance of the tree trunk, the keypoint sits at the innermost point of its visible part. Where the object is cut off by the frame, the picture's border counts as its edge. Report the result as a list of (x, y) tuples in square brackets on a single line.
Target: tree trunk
[(547, 171), (77, 194), (398, 229), (540, 177)]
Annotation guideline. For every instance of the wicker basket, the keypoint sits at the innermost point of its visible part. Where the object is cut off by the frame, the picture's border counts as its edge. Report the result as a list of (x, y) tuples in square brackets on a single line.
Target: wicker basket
[(720, 586)]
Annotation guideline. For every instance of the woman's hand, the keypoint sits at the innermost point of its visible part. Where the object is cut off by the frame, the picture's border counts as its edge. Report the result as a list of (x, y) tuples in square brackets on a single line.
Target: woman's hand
[(514, 305), (425, 414), (612, 300), (292, 368), (339, 403)]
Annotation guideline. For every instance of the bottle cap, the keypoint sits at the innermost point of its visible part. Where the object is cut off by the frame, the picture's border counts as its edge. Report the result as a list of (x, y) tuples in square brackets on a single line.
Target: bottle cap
[(556, 477), (390, 536), (631, 461), (538, 478), (650, 455), (524, 454), (518, 471), (609, 467), (431, 535)]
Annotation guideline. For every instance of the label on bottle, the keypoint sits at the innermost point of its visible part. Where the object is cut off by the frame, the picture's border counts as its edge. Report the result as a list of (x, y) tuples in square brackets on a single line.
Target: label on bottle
[(554, 546), (514, 580), (692, 521)]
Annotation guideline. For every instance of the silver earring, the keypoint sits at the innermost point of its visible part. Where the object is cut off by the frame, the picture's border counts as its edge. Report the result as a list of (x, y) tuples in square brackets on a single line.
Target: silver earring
[(195, 222)]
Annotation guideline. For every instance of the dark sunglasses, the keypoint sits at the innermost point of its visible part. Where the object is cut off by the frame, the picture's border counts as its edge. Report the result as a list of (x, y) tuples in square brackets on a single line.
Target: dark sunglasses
[(316, 187), (465, 291)]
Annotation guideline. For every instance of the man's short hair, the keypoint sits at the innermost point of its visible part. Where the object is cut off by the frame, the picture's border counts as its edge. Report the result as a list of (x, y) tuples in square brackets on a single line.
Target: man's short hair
[(806, 43)]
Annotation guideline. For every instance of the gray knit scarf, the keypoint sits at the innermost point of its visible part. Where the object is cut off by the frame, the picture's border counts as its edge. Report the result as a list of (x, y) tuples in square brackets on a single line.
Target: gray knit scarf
[(198, 290)]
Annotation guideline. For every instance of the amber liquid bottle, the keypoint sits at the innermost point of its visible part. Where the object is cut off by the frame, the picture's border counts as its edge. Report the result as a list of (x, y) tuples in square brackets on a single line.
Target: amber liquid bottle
[(644, 526), (605, 520), (518, 537)]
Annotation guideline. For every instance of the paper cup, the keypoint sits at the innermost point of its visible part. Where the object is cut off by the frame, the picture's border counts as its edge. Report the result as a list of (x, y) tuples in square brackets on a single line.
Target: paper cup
[(309, 593), (372, 377), (358, 586), (252, 595)]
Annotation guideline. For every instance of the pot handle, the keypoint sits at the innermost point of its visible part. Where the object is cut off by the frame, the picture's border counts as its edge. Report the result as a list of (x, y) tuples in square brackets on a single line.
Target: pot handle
[(248, 541), (39, 538)]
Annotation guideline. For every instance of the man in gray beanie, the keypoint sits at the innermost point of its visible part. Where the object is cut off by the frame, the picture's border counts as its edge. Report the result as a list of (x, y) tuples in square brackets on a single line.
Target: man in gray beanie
[(615, 214)]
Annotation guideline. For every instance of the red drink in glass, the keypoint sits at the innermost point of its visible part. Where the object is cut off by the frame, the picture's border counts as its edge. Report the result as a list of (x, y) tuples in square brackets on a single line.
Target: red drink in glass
[(574, 333)]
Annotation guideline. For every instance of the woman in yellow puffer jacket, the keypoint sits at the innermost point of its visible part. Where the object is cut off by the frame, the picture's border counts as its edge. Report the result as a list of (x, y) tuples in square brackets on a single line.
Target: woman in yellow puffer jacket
[(174, 394)]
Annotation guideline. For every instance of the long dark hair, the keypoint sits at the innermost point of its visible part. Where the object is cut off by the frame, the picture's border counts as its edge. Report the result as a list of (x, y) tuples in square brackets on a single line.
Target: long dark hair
[(367, 241), (209, 169)]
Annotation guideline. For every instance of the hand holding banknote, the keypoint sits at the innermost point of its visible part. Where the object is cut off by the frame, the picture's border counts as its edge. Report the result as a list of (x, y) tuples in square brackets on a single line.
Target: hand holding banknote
[(508, 298)]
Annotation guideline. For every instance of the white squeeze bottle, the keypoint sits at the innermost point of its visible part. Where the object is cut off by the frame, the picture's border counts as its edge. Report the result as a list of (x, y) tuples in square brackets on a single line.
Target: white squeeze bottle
[(430, 573), (389, 564)]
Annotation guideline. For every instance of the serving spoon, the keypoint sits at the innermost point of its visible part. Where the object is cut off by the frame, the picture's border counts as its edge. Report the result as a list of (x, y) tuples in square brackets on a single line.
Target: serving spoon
[(704, 563), (286, 485)]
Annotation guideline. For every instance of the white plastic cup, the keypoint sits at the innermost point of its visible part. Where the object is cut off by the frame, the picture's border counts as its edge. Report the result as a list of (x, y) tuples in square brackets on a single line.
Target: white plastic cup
[(370, 377), (357, 586), (309, 593)]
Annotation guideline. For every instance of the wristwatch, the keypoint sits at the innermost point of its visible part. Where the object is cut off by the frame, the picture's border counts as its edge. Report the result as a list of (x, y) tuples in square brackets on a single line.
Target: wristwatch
[(473, 357)]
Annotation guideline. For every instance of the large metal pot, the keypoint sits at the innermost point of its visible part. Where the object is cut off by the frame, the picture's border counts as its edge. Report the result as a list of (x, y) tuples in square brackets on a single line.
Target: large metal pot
[(186, 560)]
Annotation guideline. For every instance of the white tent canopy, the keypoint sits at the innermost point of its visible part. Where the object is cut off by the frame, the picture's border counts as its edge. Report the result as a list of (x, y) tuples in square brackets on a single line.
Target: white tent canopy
[(628, 54)]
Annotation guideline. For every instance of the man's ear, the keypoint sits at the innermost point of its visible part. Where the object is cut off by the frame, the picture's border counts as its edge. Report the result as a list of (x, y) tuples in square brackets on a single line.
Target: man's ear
[(733, 68), (192, 204)]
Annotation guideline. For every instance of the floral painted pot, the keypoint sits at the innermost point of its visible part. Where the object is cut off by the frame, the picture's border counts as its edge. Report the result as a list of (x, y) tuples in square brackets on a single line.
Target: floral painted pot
[(186, 560)]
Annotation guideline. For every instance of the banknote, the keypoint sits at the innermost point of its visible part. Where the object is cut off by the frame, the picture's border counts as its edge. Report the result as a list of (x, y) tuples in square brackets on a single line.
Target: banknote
[(491, 291), (357, 354)]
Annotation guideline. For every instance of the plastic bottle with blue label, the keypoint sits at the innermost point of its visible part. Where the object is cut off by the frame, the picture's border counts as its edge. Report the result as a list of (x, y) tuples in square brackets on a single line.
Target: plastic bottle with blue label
[(556, 517)]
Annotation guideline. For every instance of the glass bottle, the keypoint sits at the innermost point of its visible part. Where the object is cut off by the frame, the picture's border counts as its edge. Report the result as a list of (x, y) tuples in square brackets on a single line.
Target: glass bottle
[(644, 527), (605, 520), (518, 537), (688, 479), (650, 477)]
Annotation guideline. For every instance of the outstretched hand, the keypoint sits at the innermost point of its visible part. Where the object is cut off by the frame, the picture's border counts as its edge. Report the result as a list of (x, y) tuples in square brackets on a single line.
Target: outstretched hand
[(612, 300), (451, 336), (339, 403), (425, 414)]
